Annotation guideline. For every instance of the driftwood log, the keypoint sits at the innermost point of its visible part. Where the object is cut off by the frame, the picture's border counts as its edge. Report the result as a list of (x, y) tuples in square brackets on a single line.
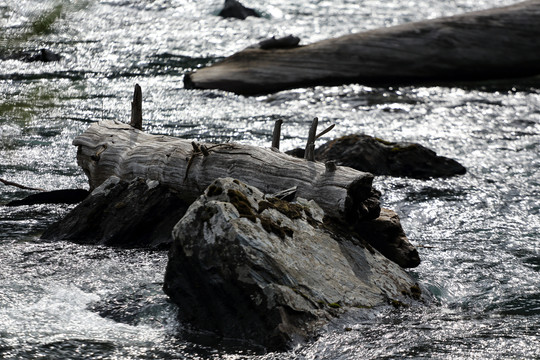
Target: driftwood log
[(112, 148), (496, 43)]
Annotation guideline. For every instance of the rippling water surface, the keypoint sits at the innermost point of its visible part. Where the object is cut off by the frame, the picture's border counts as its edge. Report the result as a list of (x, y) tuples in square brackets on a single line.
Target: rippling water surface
[(478, 234)]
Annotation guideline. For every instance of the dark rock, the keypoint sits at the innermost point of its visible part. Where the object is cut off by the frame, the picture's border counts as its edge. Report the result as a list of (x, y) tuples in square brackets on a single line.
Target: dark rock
[(387, 236), (286, 42), (380, 157), (234, 9), (257, 268), (126, 214), (297, 152), (64, 196), (43, 55)]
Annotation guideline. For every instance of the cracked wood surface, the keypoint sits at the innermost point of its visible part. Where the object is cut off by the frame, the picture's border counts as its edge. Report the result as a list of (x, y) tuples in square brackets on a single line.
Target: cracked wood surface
[(112, 148)]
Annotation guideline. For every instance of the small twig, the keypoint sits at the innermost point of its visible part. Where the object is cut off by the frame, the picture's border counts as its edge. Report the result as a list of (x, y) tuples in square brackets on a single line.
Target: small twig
[(136, 108), (11, 183), (200, 149), (197, 149), (287, 194), (230, 146), (325, 131), (276, 136), (309, 153)]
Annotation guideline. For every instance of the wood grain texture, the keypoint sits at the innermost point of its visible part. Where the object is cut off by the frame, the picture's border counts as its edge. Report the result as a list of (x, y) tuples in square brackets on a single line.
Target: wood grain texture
[(112, 148), (495, 43)]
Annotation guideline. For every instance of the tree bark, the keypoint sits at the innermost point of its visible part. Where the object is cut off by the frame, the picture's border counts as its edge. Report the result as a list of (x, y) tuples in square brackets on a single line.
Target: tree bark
[(496, 43), (112, 148)]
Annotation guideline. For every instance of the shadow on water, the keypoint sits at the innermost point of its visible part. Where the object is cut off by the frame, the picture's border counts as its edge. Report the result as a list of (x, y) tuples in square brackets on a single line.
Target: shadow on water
[(145, 304), (522, 84), (170, 64), (67, 349), (428, 193), (148, 305)]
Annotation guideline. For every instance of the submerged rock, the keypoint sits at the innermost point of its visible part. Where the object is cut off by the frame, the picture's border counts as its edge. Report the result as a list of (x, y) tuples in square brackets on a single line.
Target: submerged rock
[(126, 214), (252, 267), (381, 157), (41, 55), (234, 9)]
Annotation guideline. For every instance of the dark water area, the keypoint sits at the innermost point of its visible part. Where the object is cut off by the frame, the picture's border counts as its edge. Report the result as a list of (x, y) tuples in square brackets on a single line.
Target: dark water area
[(478, 235)]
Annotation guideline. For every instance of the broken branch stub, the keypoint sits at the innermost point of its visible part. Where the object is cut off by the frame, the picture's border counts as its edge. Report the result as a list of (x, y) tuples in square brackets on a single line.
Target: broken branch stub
[(276, 136), (309, 153), (130, 153), (136, 108), (325, 131)]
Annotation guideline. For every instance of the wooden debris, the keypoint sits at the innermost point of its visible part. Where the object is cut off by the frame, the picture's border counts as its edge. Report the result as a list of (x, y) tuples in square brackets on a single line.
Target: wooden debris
[(489, 44), (276, 136), (310, 146), (174, 162), (136, 108), (24, 187), (325, 131)]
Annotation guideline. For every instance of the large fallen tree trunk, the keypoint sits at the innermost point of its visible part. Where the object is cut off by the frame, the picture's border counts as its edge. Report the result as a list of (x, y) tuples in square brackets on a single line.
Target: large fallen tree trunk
[(112, 148), (497, 43)]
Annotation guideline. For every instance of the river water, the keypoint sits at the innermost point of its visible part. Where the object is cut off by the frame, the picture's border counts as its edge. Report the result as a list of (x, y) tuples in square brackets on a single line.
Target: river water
[(478, 235)]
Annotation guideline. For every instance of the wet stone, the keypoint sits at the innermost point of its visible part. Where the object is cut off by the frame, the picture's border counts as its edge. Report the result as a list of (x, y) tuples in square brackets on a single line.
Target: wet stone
[(248, 266), (136, 214)]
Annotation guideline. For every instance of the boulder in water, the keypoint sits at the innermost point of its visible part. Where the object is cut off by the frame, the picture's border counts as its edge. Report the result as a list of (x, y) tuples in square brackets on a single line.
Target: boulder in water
[(234, 9), (136, 214), (381, 157), (247, 266)]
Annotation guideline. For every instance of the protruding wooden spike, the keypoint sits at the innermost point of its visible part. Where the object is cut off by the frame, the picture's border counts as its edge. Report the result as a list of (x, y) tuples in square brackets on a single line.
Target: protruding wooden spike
[(136, 108), (310, 146), (276, 136), (328, 129), (204, 150)]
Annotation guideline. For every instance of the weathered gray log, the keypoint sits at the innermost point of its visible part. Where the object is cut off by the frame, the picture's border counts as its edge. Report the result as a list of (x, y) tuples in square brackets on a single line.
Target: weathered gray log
[(112, 148), (496, 43)]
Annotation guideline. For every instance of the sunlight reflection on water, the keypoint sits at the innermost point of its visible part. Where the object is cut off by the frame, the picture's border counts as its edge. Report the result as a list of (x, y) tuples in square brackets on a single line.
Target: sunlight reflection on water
[(477, 234)]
